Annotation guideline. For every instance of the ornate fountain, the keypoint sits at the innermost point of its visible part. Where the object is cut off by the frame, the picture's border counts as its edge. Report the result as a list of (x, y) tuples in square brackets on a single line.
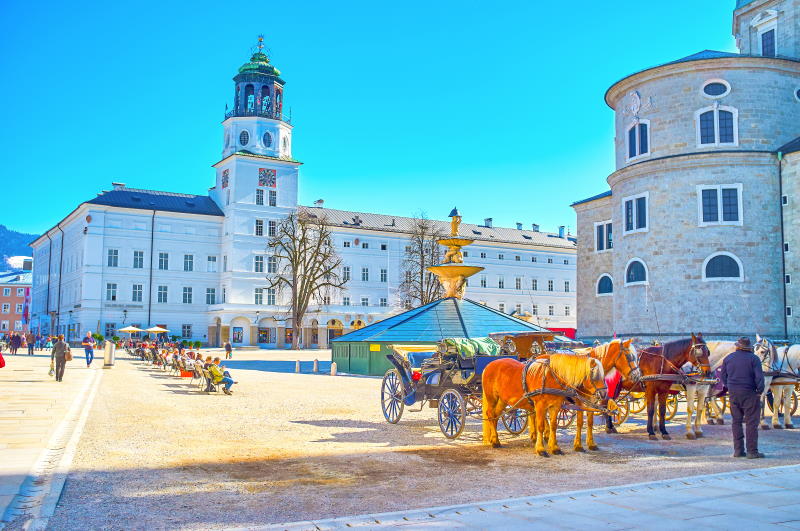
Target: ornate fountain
[(452, 273)]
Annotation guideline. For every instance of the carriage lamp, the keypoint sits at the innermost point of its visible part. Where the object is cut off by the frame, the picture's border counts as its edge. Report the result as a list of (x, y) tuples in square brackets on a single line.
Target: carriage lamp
[(416, 376)]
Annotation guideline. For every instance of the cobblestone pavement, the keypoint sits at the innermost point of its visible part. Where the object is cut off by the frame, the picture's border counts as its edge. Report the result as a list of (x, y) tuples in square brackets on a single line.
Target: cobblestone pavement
[(765, 498), (37, 419)]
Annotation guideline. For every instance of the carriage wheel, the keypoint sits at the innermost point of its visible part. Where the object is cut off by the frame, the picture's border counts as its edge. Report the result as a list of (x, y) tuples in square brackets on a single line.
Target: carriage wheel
[(620, 415), (392, 396), (515, 420), (565, 418), (452, 413), (672, 406), (636, 403)]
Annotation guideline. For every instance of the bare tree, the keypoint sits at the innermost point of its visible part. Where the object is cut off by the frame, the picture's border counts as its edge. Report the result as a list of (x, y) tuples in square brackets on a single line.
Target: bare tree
[(307, 266), (419, 286)]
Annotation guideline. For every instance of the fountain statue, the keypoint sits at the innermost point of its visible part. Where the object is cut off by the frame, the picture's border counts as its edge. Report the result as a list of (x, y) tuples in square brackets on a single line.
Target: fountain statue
[(452, 273)]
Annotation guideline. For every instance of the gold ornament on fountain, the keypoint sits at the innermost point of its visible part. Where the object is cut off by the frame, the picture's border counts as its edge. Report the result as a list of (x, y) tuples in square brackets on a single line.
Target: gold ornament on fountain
[(452, 274)]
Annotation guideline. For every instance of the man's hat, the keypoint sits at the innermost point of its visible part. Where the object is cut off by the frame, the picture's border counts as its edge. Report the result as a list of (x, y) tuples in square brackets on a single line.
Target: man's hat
[(744, 344)]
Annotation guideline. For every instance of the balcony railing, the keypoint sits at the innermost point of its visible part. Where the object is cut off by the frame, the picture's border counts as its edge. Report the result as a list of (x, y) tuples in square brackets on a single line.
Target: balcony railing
[(272, 114)]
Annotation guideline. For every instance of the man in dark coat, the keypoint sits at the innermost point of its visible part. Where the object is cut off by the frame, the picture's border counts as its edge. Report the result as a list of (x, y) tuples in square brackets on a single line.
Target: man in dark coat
[(742, 375)]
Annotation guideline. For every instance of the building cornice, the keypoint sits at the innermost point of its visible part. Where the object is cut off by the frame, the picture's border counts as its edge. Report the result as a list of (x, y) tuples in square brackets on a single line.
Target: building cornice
[(283, 160)]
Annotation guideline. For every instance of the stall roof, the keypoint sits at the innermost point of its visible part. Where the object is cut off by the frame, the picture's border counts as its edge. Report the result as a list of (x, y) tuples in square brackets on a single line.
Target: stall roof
[(450, 317)]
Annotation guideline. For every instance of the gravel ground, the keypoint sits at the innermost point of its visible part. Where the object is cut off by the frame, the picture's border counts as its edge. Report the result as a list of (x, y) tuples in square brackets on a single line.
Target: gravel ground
[(158, 454)]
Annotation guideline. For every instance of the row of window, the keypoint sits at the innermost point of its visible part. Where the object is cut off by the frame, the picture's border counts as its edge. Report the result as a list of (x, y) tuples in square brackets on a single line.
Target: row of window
[(518, 284), (266, 139), (715, 126), (518, 258), (111, 330), (721, 266), (383, 301), (272, 227), (717, 204), (112, 260), (4, 326), (7, 308), (7, 292), (273, 197), (551, 309), (347, 275), (364, 245), (162, 294)]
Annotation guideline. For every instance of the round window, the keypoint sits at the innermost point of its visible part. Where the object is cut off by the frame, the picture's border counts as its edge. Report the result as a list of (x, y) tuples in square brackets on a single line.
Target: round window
[(267, 139), (244, 138), (797, 94), (716, 88)]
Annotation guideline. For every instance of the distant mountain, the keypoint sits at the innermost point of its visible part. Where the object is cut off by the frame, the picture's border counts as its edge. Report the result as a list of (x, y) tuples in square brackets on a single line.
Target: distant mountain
[(13, 243)]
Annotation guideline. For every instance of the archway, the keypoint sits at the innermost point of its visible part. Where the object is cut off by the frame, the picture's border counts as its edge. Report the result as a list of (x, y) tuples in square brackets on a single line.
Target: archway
[(240, 331), (335, 329), (267, 332), (357, 324)]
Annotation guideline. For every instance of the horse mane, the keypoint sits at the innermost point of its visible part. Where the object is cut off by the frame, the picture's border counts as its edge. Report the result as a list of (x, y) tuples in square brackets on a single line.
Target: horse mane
[(671, 348), (573, 369)]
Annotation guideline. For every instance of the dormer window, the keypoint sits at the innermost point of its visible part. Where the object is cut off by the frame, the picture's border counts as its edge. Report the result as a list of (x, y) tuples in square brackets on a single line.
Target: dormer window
[(639, 139), (766, 27)]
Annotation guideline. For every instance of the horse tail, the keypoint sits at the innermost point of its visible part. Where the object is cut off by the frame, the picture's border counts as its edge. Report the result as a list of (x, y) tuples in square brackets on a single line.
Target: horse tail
[(487, 431)]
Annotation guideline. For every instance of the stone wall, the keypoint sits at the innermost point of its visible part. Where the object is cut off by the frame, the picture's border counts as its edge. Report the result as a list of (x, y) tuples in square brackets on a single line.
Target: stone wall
[(787, 26), (791, 189), (595, 313)]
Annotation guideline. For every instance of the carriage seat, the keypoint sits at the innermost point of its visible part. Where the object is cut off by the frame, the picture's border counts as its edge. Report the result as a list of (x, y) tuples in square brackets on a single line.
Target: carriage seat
[(468, 348), (416, 358)]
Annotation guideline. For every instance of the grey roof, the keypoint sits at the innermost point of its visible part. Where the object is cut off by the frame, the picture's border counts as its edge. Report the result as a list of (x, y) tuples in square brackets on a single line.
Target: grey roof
[(404, 225), (154, 200), (607, 193), (439, 319), (791, 147), (16, 277)]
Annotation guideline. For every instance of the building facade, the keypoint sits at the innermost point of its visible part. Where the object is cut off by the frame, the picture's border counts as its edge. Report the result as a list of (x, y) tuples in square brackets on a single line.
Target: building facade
[(197, 264), (696, 231), (15, 298)]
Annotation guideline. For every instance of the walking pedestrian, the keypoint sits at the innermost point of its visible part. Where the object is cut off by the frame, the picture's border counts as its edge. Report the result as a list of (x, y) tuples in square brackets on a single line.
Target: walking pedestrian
[(15, 342), (228, 350), (60, 354), (30, 339), (742, 375), (88, 348)]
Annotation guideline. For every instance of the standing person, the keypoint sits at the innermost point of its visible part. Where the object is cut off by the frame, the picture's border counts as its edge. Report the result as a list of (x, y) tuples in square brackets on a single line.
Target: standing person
[(59, 354), (88, 348), (30, 339), (228, 350), (16, 341), (742, 375)]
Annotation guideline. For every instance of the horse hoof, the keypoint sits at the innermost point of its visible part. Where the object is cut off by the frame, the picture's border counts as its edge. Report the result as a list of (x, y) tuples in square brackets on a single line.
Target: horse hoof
[(699, 434), (666, 437), (690, 436), (652, 437), (611, 430), (594, 448), (777, 427), (789, 426), (579, 449), (543, 454), (764, 427), (720, 421), (711, 421), (558, 451), (496, 445)]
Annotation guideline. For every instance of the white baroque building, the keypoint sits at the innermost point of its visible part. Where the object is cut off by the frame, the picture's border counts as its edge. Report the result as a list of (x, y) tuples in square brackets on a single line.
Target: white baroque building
[(699, 230), (196, 265)]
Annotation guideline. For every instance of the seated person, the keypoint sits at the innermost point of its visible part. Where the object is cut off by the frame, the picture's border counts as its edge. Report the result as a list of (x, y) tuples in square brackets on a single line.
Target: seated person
[(220, 377)]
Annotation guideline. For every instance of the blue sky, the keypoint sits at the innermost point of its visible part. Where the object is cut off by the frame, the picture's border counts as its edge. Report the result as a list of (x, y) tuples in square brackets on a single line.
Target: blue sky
[(398, 108)]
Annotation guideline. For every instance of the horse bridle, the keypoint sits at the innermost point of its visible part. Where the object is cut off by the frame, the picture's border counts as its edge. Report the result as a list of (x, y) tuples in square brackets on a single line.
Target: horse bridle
[(770, 351), (635, 374), (703, 348)]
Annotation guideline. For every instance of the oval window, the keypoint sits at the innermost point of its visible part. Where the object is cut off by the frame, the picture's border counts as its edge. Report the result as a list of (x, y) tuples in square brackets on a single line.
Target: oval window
[(267, 139), (715, 89), (797, 94), (244, 138)]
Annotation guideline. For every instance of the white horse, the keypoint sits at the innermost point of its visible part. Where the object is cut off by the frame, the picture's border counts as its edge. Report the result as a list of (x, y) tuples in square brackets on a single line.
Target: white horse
[(697, 394), (785, 367)]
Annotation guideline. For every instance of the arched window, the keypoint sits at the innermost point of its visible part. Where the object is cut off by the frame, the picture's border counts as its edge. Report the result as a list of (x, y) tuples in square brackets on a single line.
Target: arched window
[(244, 138), (605, 285), (249, 98), (717, 126), (722, 266), (635, 272), (265, 100)]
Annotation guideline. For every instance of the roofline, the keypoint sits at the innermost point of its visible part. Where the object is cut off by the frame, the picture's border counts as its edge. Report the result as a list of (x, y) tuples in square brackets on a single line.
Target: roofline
[(395, 230), (255, 156), (593, 198), (682, 61)]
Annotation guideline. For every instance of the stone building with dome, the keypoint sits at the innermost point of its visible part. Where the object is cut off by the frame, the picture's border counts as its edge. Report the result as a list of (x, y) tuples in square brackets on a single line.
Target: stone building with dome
[(700, 227), (197, 264)]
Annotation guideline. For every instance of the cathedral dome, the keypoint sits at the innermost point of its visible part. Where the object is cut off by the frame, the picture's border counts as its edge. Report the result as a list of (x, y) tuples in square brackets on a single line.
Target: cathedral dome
[(259, 63)]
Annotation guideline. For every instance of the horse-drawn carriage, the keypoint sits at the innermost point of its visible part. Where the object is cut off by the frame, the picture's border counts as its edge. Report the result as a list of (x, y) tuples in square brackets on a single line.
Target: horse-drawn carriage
[(448, 377)]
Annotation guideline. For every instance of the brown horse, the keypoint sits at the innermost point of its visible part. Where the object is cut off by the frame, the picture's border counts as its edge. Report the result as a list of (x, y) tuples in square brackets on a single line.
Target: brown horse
[(503, 386), (666, 360), (615, 355)]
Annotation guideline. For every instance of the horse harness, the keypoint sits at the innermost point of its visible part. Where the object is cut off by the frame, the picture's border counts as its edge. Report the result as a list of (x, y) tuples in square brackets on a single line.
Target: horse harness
[(779, 372), (567, 391), (679, 376)]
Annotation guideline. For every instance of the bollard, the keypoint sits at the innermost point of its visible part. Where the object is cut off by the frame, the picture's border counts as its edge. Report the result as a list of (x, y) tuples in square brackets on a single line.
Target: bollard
[(297, 366), (316, 366), (333, 368)]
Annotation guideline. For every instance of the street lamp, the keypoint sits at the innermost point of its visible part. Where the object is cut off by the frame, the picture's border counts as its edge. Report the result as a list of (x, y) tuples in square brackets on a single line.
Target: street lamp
[(69, 327), (124, 316), (258, 312)]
